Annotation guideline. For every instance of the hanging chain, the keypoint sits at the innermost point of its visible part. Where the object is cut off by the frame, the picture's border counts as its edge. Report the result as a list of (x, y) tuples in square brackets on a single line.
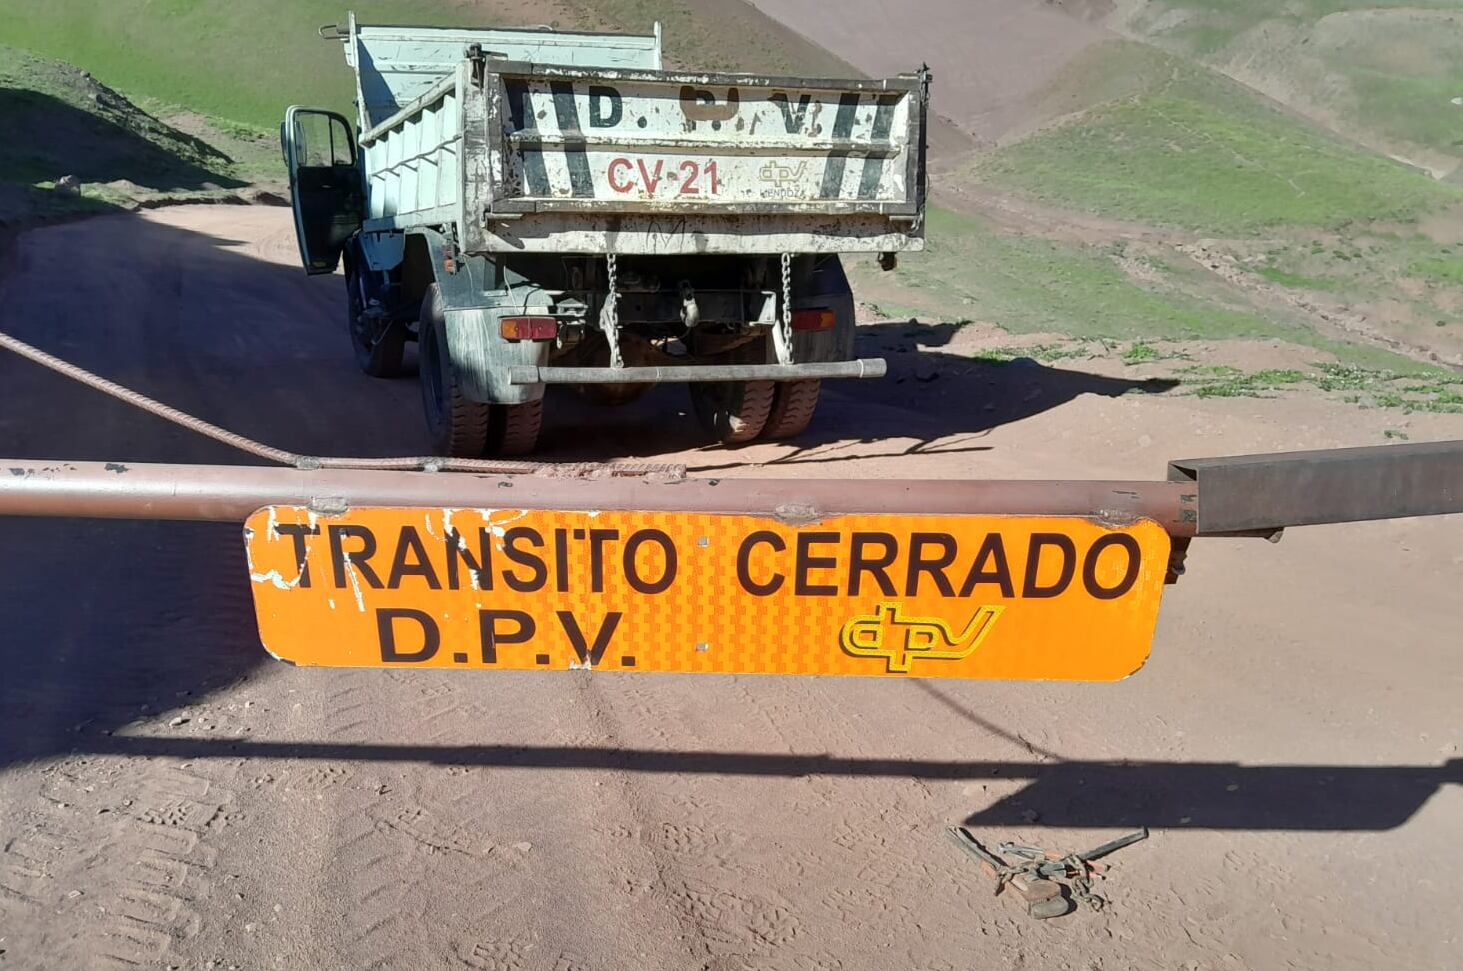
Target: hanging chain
[(783, 338), (609, 312)]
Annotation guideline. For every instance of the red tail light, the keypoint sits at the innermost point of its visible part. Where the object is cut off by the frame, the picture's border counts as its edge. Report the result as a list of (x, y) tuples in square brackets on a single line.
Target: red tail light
[(529, 328), (812, 320)]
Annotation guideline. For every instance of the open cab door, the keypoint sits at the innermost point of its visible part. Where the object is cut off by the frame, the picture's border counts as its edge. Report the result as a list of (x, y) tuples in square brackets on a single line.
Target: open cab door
[(325, 184)]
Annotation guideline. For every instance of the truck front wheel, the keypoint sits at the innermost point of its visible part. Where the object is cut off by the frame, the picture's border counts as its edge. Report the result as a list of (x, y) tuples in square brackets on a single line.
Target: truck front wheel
[(733, 411), (458, 426), (380, 345)]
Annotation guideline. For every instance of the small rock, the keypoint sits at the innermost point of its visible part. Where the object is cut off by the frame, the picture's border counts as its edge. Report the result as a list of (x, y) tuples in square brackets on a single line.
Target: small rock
[(74, 894), (523, 847), (68, 185), (1030, 815), (178, 720)]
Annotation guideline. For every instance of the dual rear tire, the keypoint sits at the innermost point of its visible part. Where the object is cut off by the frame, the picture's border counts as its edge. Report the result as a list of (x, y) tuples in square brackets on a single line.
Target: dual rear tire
[(737, 412), (792, 408)]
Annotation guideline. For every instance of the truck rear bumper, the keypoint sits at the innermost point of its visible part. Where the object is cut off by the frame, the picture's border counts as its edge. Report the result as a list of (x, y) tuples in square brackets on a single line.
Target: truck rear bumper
[(862, 368)]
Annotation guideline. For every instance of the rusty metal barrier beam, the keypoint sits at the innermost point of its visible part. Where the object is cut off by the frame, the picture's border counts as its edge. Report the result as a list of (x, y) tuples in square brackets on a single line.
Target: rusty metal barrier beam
[(1265, 493), (116, 490)]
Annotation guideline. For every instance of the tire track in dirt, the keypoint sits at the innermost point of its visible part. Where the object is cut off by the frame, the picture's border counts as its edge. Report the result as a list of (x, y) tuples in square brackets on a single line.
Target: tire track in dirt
[(706, 867), (111, 867), (130, 858), (465, 851)]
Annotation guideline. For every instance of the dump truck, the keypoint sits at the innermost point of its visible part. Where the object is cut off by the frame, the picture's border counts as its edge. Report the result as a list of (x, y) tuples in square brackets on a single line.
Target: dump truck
[(538, 207)]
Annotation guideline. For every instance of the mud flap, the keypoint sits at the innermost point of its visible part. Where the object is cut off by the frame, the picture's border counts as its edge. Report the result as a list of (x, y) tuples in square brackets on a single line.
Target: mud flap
[(481, 356)]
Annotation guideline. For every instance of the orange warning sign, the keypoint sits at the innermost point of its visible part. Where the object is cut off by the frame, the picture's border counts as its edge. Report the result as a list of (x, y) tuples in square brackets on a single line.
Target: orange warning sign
[(914, 596)]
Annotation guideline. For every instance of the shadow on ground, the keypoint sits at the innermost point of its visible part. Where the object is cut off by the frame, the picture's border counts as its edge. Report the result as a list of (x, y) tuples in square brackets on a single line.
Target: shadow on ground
[(1073, 794), (106, 622)]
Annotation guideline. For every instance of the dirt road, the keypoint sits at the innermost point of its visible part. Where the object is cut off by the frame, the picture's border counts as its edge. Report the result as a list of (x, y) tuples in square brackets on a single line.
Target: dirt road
[(170, 797)]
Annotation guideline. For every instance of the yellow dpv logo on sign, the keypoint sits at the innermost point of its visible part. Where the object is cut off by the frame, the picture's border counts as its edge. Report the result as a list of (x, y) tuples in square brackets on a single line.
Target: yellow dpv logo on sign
[(900, 639), (892, 595)]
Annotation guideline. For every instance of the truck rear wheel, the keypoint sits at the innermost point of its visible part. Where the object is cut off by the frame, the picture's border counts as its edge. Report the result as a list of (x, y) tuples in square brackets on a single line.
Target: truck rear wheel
[(733, 411), (793, 404), (379, 345), (458, 426), (513, 429)]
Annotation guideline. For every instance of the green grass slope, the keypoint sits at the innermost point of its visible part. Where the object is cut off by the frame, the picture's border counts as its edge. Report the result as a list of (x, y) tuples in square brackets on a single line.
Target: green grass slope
[(1385, 71), (247, 60), (1277, 228), (62, 122), (1031, 285), (1154, 139), (236, 67)]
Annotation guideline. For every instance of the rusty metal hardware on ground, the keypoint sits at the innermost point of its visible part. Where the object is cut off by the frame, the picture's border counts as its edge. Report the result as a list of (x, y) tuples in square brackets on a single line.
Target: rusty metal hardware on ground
[(1044, 880)]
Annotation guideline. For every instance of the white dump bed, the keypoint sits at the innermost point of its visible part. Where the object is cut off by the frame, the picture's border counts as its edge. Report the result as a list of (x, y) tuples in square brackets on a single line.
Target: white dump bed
[(589, 148)]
